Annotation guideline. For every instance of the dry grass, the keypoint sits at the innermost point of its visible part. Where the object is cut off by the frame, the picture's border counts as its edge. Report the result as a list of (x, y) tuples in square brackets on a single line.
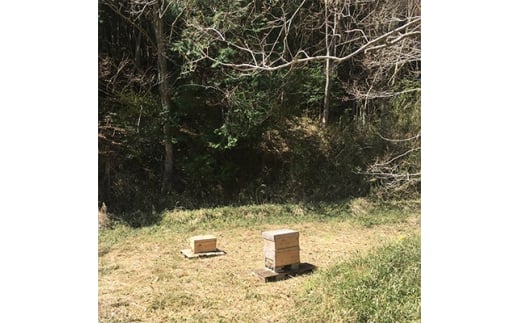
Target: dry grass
[(144, 278)]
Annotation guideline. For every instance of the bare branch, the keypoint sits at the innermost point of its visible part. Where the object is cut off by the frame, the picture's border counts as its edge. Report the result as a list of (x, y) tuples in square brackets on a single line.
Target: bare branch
[(370, 45), (375, 94), (401, 140), (397, 157), (131, 22)]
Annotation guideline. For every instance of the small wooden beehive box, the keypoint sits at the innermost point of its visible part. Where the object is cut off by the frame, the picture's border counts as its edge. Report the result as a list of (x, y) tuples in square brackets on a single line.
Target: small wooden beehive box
[(281, 248), (203, 243)]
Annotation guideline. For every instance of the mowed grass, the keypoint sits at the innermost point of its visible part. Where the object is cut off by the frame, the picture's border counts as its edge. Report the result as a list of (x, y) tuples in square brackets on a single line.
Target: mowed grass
[(361, 211), (384, 286), (143, 277)]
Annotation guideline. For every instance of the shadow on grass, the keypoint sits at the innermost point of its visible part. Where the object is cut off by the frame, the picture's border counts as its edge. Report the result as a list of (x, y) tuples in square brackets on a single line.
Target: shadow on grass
[(137, 219)]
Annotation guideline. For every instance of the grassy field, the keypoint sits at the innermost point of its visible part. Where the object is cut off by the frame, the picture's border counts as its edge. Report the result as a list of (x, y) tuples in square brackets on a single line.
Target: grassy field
[(367, 254), (384, 286)]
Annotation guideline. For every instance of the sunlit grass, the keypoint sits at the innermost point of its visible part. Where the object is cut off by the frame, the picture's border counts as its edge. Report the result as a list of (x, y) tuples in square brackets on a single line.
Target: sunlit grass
[(361, 211), (381, 287), (142, 276)]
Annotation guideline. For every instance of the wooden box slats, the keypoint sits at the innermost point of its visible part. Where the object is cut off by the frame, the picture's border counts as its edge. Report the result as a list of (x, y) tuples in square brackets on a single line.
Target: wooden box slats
[(280, 234), (282, 242), (281, 248), (282, 257), (203, 243)]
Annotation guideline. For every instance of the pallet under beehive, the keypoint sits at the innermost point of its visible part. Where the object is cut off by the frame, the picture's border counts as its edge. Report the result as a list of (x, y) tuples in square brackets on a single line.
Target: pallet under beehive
[(271, 276), (281, 248), (203, 243)]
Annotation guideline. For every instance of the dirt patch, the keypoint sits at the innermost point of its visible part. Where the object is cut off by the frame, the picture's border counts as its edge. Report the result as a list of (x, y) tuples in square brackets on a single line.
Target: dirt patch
[(147, 279)]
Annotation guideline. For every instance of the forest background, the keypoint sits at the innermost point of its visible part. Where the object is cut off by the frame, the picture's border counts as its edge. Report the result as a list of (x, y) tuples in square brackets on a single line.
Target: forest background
[(205, 103)]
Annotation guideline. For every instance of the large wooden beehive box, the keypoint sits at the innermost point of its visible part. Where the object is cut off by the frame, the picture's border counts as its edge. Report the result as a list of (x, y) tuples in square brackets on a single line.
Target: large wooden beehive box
[(281, 248), (203, 243)]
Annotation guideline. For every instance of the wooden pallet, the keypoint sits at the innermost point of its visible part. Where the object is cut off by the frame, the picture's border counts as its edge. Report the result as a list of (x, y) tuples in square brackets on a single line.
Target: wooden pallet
[(268, 275), (190, 254), (268, 265)]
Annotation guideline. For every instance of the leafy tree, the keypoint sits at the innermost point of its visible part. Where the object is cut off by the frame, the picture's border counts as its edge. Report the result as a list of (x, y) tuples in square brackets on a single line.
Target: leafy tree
[(285, 35), (204, 102)]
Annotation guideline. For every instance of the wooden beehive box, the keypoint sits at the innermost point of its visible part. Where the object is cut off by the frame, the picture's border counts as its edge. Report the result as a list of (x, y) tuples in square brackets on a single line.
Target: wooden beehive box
[(203, 243), (281, 248)]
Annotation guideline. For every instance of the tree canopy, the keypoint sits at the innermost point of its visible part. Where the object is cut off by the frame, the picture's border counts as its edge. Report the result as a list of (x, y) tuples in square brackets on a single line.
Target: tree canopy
[(210, 102)]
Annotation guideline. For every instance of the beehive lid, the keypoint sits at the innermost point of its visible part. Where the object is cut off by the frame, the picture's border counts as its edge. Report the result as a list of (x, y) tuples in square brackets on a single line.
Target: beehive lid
[(203, 237), (276, 234)]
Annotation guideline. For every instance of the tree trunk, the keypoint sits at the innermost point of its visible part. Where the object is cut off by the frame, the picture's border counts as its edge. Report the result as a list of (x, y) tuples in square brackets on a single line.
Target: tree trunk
[(137, 54), (106, 179), (329, 64), (326, 96), (326, 100), (166, 104)]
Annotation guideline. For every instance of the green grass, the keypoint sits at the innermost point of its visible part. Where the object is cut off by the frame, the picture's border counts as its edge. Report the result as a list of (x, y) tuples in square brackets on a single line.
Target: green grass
[(361, 211), (109, 237), (368, 212), (381, 287)]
